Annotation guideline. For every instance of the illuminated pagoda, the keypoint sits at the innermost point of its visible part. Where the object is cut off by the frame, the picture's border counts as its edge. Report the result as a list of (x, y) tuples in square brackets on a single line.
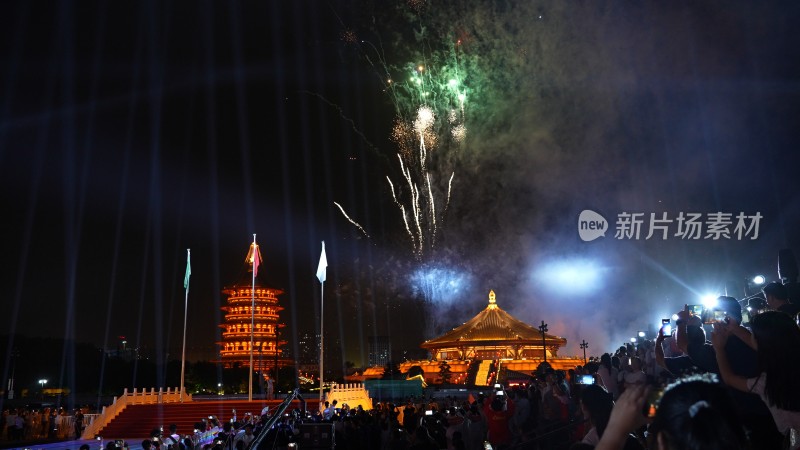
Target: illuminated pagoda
[(235, 345), (481, 350)]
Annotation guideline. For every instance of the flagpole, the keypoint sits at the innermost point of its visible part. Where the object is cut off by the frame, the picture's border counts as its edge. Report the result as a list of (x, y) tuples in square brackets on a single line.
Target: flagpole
[(252, 319), (321, 343), (185, 314), (321, 275)]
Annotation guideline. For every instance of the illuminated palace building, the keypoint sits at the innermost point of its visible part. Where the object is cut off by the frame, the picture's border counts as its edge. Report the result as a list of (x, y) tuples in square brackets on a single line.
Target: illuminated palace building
[(235, 348), (491, 347)]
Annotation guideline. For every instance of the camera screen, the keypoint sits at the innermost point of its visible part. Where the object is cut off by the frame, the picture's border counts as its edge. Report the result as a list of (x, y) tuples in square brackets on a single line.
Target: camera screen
[(651, 405), (696, 310), (429, 413), (717, 317), (587, 379)]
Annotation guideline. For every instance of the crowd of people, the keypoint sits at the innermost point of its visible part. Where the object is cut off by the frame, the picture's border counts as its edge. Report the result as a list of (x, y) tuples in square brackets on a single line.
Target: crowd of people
[(715, 383), (710, 380), (22, 424), (706, 382)]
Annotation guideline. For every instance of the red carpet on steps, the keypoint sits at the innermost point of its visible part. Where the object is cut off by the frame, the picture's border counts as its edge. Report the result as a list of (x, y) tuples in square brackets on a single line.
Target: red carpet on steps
[(137, 421)]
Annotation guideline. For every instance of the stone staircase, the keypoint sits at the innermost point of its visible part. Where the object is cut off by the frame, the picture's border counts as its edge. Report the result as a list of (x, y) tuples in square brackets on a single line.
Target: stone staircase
[(135, 422), (483, 373)]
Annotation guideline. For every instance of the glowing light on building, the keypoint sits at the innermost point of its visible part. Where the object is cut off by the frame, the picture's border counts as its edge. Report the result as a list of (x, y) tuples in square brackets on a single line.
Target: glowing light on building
[(236, 326)]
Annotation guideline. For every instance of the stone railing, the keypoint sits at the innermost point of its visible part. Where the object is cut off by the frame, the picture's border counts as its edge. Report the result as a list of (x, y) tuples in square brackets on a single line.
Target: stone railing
[(353, 394), (142, 397)]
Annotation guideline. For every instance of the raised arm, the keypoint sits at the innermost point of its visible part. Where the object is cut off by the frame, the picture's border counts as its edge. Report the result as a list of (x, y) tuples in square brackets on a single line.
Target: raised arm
[(718, 339), (625, 417), (660, 349), (741, 332)]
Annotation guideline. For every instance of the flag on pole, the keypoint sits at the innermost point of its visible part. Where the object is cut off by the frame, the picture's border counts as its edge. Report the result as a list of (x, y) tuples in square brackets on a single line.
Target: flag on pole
[(256, 259), (323, 264), (188, 270)]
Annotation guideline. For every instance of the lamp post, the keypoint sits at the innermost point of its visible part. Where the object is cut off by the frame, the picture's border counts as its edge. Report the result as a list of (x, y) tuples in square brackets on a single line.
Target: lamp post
[(543, 329), (584, 346), (641, 334), (42, 382)]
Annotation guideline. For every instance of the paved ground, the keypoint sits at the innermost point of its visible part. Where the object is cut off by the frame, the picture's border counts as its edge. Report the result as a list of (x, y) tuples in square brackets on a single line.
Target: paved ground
[(133, 444)]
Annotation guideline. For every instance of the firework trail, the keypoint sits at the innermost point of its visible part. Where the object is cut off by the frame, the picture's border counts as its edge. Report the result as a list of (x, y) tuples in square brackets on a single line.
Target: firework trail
[(429, 97), (356, 224)]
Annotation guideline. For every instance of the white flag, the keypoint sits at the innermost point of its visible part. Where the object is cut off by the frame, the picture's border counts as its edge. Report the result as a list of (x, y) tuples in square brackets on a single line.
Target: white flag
[(323, 264)]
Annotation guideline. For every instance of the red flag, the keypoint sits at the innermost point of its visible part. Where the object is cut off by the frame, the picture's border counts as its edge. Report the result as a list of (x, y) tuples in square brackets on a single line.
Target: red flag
[(256, 259)]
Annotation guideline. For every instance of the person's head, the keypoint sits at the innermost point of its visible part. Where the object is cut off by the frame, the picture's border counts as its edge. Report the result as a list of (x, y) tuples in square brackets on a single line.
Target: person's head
[(248, 429), (776, 294), (498, 403), (605, 360), (697, 412), (777, 338), (731, 307), (173, 429), (147, 444), (636, 364), (596, 404), (84, 447)]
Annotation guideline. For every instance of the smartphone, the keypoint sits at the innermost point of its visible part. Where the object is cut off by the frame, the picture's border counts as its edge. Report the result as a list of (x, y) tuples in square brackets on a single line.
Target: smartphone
[(586, 379), (497, 386), (500, 393), (428, 412), (651, 404), (696, 310), (716, 317)]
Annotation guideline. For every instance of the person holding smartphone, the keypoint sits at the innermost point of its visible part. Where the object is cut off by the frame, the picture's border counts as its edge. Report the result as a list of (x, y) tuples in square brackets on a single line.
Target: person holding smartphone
[(499, 410)]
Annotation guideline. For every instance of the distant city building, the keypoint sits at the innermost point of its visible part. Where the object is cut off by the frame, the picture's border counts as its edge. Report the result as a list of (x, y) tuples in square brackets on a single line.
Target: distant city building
[(235, 348), (380, 351), (308, 348)]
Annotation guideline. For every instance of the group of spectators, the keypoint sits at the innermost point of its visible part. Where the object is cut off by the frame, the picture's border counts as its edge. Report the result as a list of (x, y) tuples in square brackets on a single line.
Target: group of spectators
[(715, 383), (20, 424), (706, 382)]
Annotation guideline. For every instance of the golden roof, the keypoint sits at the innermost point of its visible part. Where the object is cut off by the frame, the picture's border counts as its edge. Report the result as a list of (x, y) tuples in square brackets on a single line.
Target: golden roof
[(493, 326)]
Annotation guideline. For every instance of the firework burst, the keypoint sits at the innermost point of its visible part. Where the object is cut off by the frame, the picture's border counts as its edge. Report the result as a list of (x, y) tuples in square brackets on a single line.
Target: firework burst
[(429, 97)]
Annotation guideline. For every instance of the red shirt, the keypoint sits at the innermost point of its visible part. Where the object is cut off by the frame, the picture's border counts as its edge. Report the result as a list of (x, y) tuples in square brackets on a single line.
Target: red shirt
[(499, 432)]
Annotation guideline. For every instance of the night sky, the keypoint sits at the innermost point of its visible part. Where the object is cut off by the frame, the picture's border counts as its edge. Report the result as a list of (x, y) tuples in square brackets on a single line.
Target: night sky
[(132, 131)]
